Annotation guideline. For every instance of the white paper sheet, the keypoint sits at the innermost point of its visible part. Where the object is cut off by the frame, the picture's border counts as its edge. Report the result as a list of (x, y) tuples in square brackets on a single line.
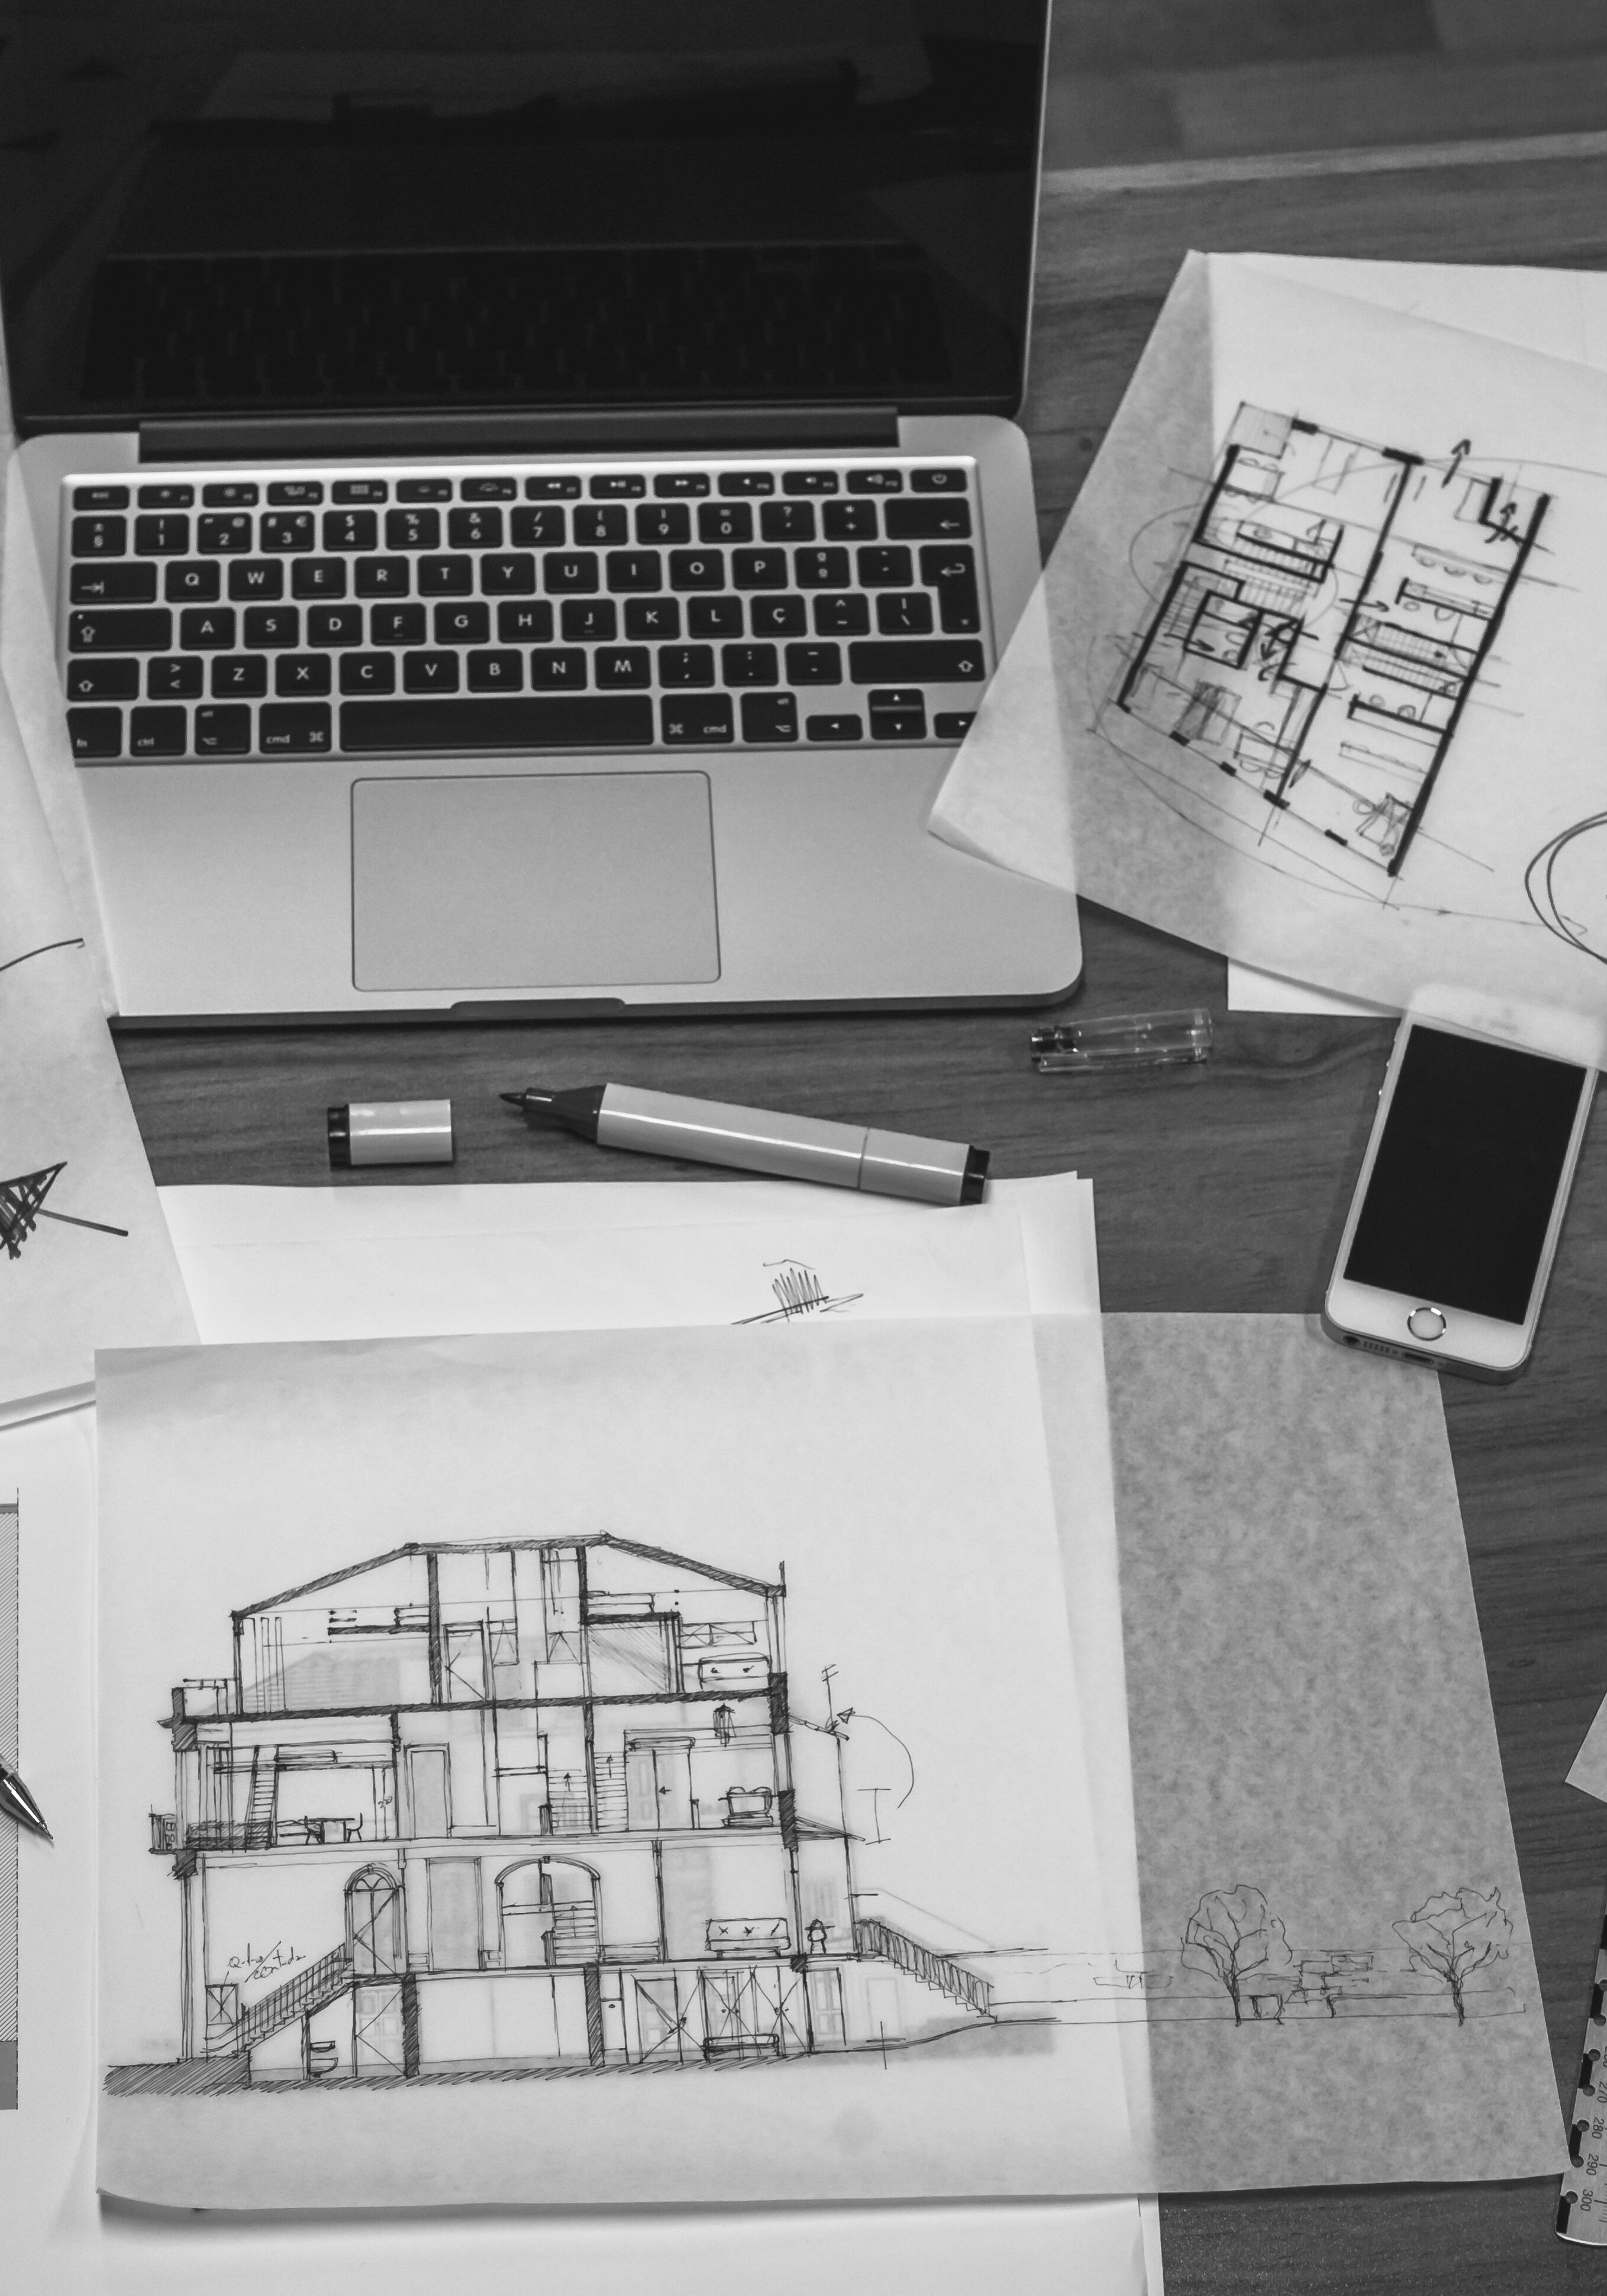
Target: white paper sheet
[(890, 1478)]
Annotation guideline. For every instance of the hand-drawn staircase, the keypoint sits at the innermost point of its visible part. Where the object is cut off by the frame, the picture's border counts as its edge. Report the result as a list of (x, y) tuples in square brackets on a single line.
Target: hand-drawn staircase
[(310, 1989), (262, 1799), (935, 1969)]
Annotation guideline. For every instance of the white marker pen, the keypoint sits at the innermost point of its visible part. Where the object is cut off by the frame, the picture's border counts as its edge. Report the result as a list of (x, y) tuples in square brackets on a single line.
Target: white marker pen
[(754, 1140)]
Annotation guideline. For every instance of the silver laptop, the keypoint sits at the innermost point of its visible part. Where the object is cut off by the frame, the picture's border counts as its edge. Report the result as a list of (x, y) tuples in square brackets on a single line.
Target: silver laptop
[(529, 515)]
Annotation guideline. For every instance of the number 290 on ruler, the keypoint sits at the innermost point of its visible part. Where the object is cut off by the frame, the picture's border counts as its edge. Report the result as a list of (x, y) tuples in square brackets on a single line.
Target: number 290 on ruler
[(1582, 2203)]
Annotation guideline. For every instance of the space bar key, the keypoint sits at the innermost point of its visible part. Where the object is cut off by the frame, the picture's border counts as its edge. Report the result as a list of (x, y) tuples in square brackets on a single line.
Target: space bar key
[(556, 721)]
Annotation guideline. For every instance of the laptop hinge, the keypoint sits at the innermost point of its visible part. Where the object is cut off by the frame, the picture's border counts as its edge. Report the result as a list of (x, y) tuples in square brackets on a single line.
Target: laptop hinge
[(580, 430)]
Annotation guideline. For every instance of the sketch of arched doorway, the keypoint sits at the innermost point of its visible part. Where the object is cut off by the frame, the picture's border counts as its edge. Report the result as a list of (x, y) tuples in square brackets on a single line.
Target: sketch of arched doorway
[(374, 1922), (1566, 885), (550, 1913)]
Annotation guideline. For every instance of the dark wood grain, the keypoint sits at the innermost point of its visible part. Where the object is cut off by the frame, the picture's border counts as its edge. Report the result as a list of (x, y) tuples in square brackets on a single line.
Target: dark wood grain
[(1218, 1188)]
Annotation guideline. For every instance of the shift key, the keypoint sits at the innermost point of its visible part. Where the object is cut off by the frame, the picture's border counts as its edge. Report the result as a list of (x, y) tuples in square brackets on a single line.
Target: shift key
[(120, 630), (914, 661)]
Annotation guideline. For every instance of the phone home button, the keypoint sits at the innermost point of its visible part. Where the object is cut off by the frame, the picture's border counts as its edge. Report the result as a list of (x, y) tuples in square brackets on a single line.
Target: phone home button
[(1426, 1324)]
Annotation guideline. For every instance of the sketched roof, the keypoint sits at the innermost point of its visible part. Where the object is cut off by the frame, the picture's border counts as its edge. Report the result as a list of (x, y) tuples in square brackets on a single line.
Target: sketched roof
[(501, 1547)]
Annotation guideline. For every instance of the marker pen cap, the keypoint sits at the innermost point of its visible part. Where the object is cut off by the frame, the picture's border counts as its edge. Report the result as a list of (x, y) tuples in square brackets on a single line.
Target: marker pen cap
[(931, 1171), (390, 1132)]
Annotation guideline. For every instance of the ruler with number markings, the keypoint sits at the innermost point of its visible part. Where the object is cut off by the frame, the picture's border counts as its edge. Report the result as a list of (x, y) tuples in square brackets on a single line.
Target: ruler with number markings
[(1582, 2203)]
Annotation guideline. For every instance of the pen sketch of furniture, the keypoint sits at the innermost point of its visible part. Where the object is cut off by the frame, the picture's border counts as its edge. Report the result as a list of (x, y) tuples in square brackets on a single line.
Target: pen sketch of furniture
[(507, 1807)]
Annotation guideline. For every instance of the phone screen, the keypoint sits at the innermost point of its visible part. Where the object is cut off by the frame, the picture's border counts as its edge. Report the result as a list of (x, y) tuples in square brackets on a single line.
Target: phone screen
[(1467, 1174)]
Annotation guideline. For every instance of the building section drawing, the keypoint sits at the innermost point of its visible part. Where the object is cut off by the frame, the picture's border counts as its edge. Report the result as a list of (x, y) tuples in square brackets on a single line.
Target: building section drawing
[(23, 1206), (1316, 645), (521, 1807)]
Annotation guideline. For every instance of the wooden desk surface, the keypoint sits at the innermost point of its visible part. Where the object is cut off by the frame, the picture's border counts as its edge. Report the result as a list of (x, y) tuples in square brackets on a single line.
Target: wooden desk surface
[(1220, 1188)]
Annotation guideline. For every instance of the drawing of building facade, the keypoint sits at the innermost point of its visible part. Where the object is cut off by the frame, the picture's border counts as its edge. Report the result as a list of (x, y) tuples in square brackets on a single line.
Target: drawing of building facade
[(1316, 645), (493, 1807)]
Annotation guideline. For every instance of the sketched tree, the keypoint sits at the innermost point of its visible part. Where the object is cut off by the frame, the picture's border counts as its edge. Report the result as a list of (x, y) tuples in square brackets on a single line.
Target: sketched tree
[(1232, 1938), (1449, 1937)]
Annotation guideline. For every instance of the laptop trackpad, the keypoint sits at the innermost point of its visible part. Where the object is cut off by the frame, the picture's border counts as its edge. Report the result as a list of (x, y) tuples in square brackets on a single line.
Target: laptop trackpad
[(533, 880)]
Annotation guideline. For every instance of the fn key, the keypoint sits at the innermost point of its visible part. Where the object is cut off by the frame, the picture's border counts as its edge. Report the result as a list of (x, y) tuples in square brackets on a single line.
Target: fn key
[(294, 729)]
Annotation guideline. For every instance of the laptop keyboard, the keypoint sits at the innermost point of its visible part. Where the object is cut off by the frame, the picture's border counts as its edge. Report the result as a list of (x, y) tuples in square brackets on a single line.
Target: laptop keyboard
[(406, 611)]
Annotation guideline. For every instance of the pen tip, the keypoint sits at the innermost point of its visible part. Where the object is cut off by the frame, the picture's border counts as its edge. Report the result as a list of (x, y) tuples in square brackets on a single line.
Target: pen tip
[(514, 1099)]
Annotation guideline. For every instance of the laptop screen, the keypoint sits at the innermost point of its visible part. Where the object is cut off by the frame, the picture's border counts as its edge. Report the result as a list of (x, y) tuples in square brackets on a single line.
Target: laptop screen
[(329, 205)]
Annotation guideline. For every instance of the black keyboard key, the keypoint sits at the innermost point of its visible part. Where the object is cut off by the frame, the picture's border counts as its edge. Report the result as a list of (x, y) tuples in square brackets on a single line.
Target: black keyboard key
[(161, 533), (885, 569), (588, 618), (423, 490), (842, 617), (512, 577), (668, 484), (256, 578), (603, 522), (952, 573), (230, 494), (747, 483), (101, 497), (814, 665), (851, 521), (620, 666), (159, 733), (430, 673), (237, 674), (903, 661), (396, 626), (192, 580), (368, 673), (318, 578), (207, 630), (474, 529), (875, 482), (110, 629), (547, 526), (748, 665), (174, 679), (468, 624), (697, 569), (779, 618), (899, 715), (551, 487), (491, 721), (904, 613), (333, 625), (571, 571), (759, 569), (93, 586), (663, 522), (224, 535), (686, 665), (769, 718), (223, 730), (413, 530), (487, 489), (102, 681), (351, 530), (953, 725), (652, 617), (384, 577), (928, 521), (289, 493), (499, 672), (821, 569), (360, 490), (705, 719), (787, 522), (166, 497), (95, 732), (714, 617), (618, 482), (100, 537), (296, 729), (724, 522), (302, 674), (843, 727), (273, 626), (558, 669), (946, 479), (634, 570), (522, 625), (809, 482), (288, 530)]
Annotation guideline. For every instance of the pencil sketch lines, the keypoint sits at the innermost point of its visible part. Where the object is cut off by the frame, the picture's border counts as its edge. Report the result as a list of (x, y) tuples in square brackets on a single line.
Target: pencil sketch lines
[(23, 1206), (798, 1291), (1314, 648), (1567, 886), (44, 949), (11, 1515), (1449, 1937)]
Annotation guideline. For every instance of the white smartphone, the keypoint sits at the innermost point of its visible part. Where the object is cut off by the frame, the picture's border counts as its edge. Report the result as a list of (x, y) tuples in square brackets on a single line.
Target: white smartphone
[(1450, 1239)]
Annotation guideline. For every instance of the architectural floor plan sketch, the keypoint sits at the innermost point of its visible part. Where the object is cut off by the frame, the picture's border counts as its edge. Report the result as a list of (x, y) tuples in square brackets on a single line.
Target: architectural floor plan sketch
[(1314, 649), (518, 1807)]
